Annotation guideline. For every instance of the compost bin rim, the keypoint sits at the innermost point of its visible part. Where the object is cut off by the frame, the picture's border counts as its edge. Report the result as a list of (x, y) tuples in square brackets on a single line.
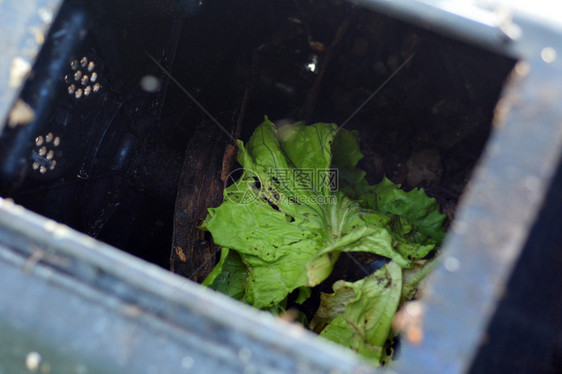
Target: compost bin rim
[(21, 45), (495, 25), (59, 244)]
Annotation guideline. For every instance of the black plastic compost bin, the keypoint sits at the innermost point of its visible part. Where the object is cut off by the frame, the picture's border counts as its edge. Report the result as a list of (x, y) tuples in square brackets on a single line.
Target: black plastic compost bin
[(100, 100)]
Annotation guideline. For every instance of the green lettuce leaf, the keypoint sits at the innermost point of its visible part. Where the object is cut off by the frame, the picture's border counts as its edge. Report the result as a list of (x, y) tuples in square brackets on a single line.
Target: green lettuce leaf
[(360, 314), (414, 276), (229, 275), (415, 206), (285, 218), (414, 219), (300, 202)]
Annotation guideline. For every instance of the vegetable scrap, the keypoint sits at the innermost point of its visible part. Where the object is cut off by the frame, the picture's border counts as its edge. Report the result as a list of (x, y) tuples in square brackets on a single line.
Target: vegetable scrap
[(299, 204)]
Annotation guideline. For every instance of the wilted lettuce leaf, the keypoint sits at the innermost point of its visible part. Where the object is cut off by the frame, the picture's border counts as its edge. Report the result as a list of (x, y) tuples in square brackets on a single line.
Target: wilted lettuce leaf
[(362, 311), (304, 294), (300, 202), (413, 220), (229, 275), (414, 276), (414, 206), (285, 219), (332, 306)]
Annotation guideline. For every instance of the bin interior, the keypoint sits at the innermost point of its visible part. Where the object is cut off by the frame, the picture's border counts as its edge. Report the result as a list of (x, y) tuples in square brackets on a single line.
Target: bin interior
[(122, 149), (302, 60)]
